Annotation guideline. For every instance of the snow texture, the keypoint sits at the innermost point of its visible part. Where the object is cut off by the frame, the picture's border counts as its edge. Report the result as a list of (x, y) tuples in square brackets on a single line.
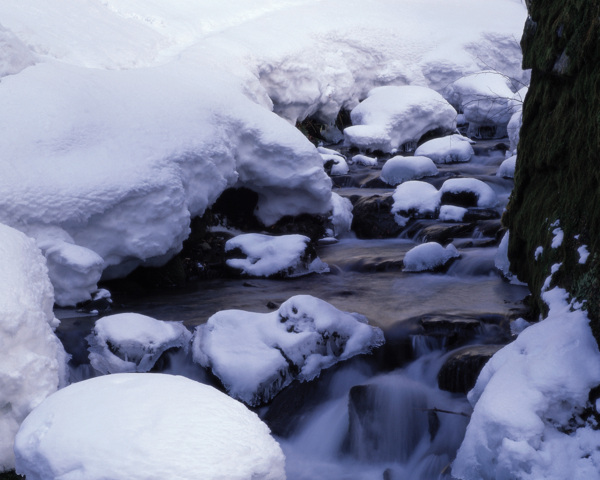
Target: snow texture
[(528, 399), (449, 149), (502, 263), (415, 199), (255, 355), (135, 117), (429, 256), (558, 238), (130, 342), (364, 160), (267, 255), (538, 252), (452, 213), (341, 215), (507, 167), (486, 197), (32, 359), (391, 116), (399, 169), (144, 426), (584, 253)]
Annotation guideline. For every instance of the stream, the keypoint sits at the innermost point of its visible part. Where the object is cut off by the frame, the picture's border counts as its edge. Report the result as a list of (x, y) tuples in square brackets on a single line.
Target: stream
[(381, 416)]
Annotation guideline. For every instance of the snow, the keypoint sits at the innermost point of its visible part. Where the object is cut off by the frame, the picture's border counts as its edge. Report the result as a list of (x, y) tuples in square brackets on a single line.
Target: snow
[(415, 198), (135, 117), (528, 399), (400, 169), (558, 238), (267, 255), (255, 355), (450, 149), (584, 253), (507, 167), (130, 342), (538, 252), (428, 256), (341, 215), (514, 125), (486, 197), (502, 263), (145, 426), (391, 116), (452, 213), (364, 160), (32, 359), (485, 100)]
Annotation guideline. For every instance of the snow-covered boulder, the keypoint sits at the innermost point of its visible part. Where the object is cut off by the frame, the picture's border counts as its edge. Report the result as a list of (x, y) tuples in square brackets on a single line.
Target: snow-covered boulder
[(507, 167), (341, 215), (336, 164), (449, 149), (32, 359), (528, 401), (130, 342), (256, 355), (415, 199), (364, 160), (144, 426), (452, 213), (266, 255), (400, 169), (392, 116), (468, 192), (486, 102), (429, 256)]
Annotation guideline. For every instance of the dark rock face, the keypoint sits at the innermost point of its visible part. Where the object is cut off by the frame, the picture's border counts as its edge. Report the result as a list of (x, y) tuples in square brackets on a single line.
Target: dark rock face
[(373, 217), (461, 369), (557, 175)]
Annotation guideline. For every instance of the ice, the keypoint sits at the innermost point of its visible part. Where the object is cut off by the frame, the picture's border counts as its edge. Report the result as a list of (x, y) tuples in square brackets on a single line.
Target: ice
[(429, 256), (415, 198), (145, 426), (255, 355), (486, 197), (266, 255), (130, 342), (528, 402), (507, 167), (449, 149), (400, 169), (391, 116), (32, 359), (452, 213)]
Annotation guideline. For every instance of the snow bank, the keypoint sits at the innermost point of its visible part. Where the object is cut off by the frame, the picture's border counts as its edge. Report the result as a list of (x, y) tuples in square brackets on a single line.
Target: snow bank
[(415, 199), (145, 427), (32, 359), (130, 342), (256, 355), (507, 167), (429, 256), (400, 169), (528, 420), (391, 116), (267, 255), (486, 197), (449, 149)]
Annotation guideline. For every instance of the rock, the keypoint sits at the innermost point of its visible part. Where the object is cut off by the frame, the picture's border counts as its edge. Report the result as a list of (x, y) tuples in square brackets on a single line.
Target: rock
[(445, 232), (461, 368), (454, 329), (373, 217)]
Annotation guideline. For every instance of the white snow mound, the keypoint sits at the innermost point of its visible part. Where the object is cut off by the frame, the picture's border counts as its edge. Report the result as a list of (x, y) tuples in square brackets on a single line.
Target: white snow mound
[(130, 342), (392, 116), (399, 169), (144, 426), (486, 197), (452, 213), (449, 149), (429, 256), (507, 167), (415, 199), (32, 359), (256, 355)]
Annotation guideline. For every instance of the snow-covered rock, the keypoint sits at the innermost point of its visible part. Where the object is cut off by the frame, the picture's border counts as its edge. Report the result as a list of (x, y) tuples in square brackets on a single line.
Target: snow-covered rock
[(428, 257), (337, 163), (364, 160), (32, 359), (481, 191), (267, 255), (452, 213), (415, 199), (528, 402), (391, 116), (449, 149), (130, 342), (507, 167), (341, 215), (144, 426), (485, 100), (400, 169), (256, 355)]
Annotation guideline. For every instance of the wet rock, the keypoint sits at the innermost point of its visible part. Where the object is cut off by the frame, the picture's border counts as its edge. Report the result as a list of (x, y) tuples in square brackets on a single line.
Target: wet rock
[(445, 232), (490, 228), (373, 217), (475, 214), (454, 329), (462, 367), (460, 199)]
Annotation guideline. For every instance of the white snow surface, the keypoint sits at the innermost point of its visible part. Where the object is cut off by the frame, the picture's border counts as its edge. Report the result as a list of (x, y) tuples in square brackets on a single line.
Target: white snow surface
[(452, 213), (256, 355), (558, 238), (429, 256), (364, 160), (415, 198), (130, 342), (391, 116), (449, 149), (400, 169), (122, 119), (267, 255), (584, 253), (341, 215), (32, 359), (507, 167), (502, 263), (526, 396), (144, 426), (486, 197)]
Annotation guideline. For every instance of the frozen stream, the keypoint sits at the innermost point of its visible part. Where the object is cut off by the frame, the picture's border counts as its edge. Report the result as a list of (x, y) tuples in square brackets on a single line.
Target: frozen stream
[(368, 418)]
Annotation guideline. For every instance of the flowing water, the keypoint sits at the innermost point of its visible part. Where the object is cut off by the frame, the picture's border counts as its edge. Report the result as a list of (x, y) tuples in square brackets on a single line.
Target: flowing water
[(368, 418)]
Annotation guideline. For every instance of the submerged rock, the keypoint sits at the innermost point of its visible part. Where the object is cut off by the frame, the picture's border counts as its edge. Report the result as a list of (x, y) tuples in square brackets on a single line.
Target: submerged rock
[(461, 368)]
